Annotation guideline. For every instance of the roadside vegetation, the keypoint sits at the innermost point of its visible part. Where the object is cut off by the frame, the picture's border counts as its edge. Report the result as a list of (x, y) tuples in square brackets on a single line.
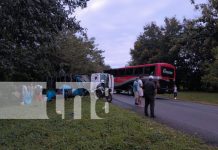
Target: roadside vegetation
[(202, 97), (191, 45), (121, 129), (41, 38)]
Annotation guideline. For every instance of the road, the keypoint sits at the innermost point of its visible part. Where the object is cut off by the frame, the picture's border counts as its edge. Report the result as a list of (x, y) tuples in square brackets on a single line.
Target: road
[(192, 118)]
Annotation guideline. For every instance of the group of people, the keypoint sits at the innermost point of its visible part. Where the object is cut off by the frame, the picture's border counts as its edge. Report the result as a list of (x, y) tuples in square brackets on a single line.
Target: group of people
[(26, 93), (148, 89)]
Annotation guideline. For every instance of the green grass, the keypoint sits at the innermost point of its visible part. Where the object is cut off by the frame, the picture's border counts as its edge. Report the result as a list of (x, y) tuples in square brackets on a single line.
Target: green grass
[(121, 129), (202, 97)]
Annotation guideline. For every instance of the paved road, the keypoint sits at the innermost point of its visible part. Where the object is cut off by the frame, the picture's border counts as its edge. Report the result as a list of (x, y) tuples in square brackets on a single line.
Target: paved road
[(192, 118)]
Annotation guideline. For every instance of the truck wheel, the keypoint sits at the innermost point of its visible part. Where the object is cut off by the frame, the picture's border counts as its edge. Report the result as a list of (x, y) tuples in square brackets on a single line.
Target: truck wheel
[(98, 94), (118, 91), (109, 98)]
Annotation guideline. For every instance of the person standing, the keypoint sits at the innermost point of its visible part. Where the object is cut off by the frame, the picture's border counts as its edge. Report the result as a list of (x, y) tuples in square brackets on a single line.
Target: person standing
[(27, 94), (140, 90), (149, 93), (135, 90), (38, 93), (175, 91)]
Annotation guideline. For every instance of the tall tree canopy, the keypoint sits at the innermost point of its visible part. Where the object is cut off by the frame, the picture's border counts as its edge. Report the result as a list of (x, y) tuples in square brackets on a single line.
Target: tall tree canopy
[(188, 45), (79, 55), (155, 44), (33, 32), (211, 78)]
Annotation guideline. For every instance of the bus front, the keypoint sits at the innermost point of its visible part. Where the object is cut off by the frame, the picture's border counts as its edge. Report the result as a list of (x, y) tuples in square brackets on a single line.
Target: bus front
[(166, 74)]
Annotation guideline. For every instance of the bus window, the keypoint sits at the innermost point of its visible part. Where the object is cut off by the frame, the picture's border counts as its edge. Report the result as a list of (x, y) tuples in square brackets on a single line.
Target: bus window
[(146, 71), (117, 72), (152, 70), (149, 70), (122, 72), (114, 72), (138, 71), (129, 71)]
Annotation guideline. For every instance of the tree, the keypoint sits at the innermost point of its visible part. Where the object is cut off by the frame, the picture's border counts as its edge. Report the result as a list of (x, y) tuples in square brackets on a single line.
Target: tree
[(157, 44), (187, 45), (196, 44), (147, 44), (211, 78), (79, 55), (28, 31), (171, 31)]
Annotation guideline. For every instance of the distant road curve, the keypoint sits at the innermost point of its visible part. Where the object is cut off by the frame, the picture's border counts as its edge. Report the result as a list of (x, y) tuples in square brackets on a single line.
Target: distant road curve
[(192, 118)]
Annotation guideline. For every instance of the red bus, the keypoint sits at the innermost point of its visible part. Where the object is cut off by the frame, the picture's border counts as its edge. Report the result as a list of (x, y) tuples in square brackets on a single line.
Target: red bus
[(164, 75)]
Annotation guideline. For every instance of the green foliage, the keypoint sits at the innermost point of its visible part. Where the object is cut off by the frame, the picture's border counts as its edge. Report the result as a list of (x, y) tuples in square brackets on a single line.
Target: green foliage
[(147, 44), (211, 78), (28, 31), (198, 40), (187, 45), (79, 55), (156, 44)]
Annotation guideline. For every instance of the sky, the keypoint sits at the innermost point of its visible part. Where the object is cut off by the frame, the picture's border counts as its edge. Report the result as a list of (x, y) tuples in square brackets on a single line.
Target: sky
[(116, 24)]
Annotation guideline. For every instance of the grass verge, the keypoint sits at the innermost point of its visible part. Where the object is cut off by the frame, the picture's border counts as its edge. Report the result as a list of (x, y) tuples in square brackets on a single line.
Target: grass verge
[(201, 97), (120, 129)]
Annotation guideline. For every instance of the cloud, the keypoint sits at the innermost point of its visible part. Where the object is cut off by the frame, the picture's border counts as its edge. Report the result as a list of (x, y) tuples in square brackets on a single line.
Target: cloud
[(98, 4), (116, 23), (155, 7), (92, 7)]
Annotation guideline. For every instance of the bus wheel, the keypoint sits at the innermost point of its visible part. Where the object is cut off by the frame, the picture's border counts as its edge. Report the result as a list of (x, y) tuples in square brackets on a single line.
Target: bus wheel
[(118, 91), (130, 92)]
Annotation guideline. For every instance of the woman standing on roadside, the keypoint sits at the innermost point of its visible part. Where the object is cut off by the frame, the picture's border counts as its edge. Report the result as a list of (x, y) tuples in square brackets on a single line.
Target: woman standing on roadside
[(140, 90)]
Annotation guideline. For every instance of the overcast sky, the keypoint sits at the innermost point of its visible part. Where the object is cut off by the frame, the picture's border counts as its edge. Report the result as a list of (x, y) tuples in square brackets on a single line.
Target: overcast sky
[(117, 23)]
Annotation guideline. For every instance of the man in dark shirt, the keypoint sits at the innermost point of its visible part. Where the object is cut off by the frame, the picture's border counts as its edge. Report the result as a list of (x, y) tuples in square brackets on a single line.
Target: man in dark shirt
[(149, 93)]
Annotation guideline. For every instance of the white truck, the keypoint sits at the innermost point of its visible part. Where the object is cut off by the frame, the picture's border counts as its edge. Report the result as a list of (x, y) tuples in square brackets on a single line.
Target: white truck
[(102, 84)]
